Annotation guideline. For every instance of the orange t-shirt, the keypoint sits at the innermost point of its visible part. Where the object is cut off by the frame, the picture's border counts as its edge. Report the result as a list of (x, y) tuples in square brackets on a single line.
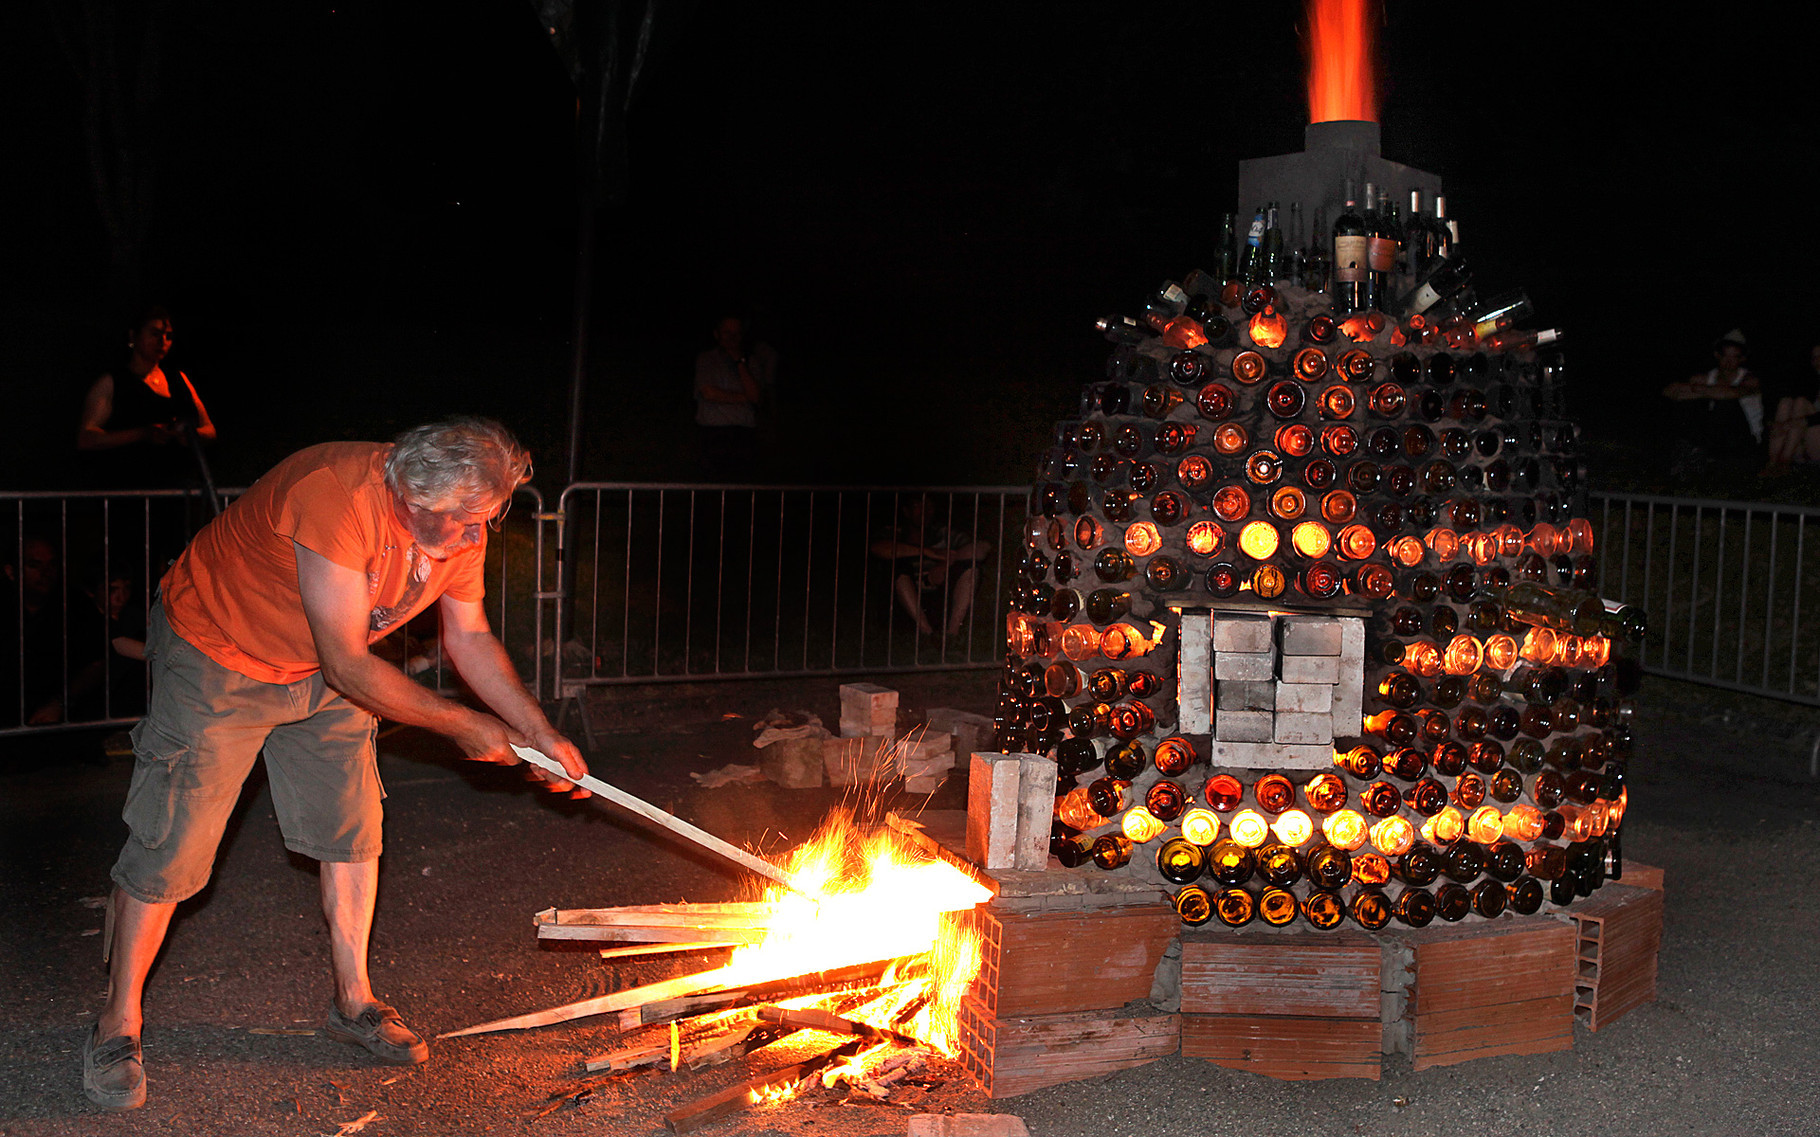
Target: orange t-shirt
[(234, 594)]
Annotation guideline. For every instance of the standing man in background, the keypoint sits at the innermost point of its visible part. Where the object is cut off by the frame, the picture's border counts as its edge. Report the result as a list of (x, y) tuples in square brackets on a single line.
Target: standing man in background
[(731, 380)]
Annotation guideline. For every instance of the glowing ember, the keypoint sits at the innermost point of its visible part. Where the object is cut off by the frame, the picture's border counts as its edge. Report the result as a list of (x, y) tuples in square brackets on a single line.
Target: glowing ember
[(1340, 81)]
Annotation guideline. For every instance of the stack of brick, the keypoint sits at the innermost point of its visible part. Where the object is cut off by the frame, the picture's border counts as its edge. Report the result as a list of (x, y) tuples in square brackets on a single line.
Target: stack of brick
[(925, 759), (868, 727), (1283, 687)]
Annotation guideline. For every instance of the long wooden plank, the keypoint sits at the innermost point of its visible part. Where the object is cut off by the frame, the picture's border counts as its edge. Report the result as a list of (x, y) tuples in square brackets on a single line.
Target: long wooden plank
[(849, 979), (659, 949), (663, 915), (601, 933), (668, 821), (718, 978)]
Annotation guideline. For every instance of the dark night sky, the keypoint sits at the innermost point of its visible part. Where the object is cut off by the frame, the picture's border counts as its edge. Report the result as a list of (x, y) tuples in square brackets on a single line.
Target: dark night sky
[(365, 212)]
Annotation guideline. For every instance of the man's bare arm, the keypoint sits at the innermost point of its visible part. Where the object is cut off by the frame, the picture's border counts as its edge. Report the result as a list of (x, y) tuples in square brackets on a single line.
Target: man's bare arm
[(335, 603), (483, 662)]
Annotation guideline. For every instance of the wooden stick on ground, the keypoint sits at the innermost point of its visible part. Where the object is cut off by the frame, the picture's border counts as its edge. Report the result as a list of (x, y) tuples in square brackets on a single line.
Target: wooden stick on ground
[(668, 821), (659, 949), (718, 978), (738, 1096)]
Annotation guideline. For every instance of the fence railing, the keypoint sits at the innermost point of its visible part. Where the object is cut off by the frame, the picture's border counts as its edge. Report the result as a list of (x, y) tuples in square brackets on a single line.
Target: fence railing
[(644, 583), (1726, 585), (80, 569), (674, 583)]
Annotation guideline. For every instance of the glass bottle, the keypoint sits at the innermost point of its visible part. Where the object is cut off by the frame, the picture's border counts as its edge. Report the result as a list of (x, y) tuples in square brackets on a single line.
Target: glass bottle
[(1180, 861)]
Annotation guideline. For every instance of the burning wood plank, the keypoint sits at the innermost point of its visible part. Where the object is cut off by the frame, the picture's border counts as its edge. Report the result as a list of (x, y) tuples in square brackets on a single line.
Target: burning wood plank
[(718, 978), (658, 949), (743, 1038), (680, 923), (742, 1095), (847, 979)]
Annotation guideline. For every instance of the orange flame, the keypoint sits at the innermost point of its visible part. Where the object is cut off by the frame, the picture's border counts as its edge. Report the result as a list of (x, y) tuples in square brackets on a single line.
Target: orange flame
[(1340, 80), (877, 898)]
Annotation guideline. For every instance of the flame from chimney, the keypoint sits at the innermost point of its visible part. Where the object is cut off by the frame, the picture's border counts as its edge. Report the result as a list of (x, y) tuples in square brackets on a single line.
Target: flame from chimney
[(1341, 85)]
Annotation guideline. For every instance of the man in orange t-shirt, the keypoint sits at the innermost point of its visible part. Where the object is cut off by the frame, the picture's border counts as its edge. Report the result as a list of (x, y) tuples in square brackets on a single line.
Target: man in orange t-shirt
[(259, 643)]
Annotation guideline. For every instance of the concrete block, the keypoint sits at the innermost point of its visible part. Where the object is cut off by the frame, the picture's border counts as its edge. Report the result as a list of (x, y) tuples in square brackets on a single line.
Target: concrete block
[(1310, 669), (918, 767), (866, 699), (926, 743), (858, 726), (794, 763), (992, 809), (1244, 665), (1246, 632), (1244, 726), (850, 761), (1304, 698), (1194, 674), (971, 732), (967, 1125), (1348, 693), (1270, 756), (924, 783), (1308, 729), (1245, 695), (1035, 809), (1309, 635)]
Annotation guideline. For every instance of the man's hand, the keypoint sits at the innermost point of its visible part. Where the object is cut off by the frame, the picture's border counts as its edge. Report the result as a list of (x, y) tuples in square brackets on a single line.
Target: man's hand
[(554, 745)]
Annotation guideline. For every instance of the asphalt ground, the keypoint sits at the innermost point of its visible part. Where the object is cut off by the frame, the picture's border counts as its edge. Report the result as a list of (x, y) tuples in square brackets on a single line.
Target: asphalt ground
[(1722, 801)]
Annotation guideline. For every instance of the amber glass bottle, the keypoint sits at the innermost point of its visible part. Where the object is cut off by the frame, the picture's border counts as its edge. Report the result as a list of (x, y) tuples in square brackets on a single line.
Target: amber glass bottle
[(1193, 905), (1235, 907)]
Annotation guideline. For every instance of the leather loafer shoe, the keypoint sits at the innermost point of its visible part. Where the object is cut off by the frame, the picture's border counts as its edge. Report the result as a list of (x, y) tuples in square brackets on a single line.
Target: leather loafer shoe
[(382, 1032), (113, 1075)]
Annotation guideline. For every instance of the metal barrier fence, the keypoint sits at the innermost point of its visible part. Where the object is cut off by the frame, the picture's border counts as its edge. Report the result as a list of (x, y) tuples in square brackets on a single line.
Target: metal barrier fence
[(674, 583), (80, 569), (1725, 584)]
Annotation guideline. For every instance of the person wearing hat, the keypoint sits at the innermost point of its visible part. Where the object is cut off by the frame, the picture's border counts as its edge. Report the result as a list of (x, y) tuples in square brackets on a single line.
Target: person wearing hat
[(1721, 410)]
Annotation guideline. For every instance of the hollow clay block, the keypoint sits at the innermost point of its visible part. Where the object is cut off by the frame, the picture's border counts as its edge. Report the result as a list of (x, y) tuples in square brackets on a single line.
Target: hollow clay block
[(1035, 808), (992, 809)]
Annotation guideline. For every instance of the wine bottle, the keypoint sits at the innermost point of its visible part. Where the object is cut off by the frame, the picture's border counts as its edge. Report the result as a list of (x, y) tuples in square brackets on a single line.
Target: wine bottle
[(1446, 231), (1349, 259), (1278, 864), (1180, 861), (1230, 863), (1272, 250), (1369, 909), (1418, 242), (1112, 851), (1415, 907), (1193, 905), (1328, 868), (1381, 249), (1324, 910), (1226, 262), (1495, 315), (1235, 907), (1251, 268), (1452, 902)]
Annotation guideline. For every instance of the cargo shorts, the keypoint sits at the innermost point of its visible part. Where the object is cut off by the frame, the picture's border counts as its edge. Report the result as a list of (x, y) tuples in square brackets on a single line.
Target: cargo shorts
[(196, 745)]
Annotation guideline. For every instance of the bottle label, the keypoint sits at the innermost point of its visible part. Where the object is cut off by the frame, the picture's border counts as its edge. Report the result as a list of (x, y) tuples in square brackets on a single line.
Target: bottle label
[(1381, 253), (1425, 298), (1349, 258)]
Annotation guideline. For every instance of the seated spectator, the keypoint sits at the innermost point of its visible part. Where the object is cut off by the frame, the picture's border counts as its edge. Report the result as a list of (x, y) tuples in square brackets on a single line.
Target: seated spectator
[(1795, 435), (931, 562), (31, 634), (107, 651), (1718, 414)]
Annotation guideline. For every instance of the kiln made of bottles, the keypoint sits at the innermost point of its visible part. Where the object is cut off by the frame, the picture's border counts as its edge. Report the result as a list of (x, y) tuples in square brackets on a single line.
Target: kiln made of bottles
[(1309, 618)]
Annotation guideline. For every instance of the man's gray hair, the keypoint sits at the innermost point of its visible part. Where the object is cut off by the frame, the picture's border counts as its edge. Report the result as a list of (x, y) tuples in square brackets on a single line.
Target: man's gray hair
[(474, 459)]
